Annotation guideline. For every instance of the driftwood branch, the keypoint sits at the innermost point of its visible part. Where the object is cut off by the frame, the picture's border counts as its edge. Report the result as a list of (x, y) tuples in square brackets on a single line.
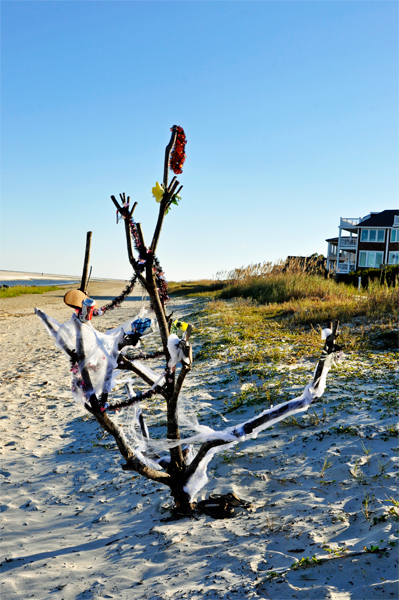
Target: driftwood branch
[(140, 232), (328, 349), (156, 304), (133, 209), (83, 283), (173, 432), (167, 195), (253, 424), (180, 380), (168, 150), (132, 462), (125, 365), (171, 183), (193, 466), (116, 203)]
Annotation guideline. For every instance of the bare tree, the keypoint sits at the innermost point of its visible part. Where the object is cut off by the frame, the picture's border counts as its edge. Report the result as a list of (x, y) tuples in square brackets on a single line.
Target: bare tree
[(180, 467)]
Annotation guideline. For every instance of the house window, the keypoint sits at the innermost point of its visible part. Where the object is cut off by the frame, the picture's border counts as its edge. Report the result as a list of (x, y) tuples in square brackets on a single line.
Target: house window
[(372, 260), (372, 235), (394, 235), (393, 258)]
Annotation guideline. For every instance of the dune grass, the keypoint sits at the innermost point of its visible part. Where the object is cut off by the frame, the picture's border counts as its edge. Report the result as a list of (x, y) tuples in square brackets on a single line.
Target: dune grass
[(299, 296), (195, 288), (19, 290)]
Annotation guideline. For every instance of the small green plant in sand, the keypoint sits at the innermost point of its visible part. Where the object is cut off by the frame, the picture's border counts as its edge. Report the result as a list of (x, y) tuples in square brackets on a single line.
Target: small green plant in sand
[(382, 470), (380, 519), (356, 472), (372, 549), (272, 575), (19, 290), (366, 450), (394, 509), (305, 562), (366, 505), (314, 418), (326, 465), (292, 422), (337, 551)]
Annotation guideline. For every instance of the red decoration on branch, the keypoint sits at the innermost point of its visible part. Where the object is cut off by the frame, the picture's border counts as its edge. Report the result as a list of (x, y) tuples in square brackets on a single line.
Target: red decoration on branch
[(178, 155)]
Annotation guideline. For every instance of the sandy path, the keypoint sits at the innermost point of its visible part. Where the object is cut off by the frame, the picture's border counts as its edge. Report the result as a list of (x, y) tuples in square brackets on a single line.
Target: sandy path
[(102, 291), (75, 526)]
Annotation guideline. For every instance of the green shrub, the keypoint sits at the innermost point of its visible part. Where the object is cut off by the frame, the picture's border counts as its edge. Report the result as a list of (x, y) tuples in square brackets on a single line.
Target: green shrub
[(19, 290), (388, 275)]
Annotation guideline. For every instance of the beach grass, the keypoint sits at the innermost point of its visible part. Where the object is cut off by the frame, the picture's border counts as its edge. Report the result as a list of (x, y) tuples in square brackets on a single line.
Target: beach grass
[(194, 288), (303, 297), (19, 290)]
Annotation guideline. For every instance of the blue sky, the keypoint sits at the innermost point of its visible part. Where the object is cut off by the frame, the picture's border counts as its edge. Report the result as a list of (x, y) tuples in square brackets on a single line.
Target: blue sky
[(290, 111)]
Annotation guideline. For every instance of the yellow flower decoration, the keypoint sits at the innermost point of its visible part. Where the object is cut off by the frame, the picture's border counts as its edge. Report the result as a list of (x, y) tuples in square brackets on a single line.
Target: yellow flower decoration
[(158, 191), (180, 325)]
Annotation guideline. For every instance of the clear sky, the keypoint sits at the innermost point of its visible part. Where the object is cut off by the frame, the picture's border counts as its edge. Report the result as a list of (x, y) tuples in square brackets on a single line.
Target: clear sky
[(290, 111)]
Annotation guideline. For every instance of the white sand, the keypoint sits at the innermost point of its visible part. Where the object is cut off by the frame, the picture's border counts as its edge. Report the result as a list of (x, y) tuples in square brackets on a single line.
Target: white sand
[(75, 526)]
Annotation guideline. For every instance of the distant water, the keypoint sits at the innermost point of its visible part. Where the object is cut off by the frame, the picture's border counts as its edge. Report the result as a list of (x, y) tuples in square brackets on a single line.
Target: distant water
[(13, 282)]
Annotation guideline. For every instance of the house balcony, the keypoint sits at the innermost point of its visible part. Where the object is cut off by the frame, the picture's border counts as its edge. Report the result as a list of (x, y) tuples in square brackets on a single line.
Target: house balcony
[(346, 267), (348, 242), (349, 222)]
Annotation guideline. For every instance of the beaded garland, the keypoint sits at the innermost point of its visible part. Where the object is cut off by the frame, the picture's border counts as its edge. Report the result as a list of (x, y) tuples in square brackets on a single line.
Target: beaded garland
[(178, 155), (145, 253), (118, 300)]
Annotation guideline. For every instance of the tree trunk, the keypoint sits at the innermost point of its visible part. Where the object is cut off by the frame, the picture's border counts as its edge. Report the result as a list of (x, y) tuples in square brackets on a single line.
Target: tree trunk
[(182, 500)]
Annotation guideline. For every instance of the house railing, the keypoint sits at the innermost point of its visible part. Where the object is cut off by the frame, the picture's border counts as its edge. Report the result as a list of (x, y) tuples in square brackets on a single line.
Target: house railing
[(345, 267), (349, 222), (347, 242)]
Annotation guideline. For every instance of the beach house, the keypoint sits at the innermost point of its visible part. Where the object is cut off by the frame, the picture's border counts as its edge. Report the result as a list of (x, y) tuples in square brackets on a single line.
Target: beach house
[(373, 241)]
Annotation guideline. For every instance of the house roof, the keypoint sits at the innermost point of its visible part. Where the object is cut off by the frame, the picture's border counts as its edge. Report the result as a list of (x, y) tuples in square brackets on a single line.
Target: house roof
[(333, 241), (382, 219)]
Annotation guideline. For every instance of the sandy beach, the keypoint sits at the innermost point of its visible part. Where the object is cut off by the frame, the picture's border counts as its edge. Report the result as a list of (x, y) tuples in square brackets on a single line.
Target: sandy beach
[(75, 526)]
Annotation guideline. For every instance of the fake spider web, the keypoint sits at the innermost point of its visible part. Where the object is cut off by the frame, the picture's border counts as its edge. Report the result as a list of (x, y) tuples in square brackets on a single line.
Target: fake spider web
[(101, 352)]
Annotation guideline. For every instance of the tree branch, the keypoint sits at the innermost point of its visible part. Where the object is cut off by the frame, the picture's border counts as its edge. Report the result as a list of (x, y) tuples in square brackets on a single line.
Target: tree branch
[(132, 462), (140, 232), (206, 446), (168, 150), (171, 183), (328, 349), (173, 433), (166, 197), (126, 365), (180, 380), (157, 305)]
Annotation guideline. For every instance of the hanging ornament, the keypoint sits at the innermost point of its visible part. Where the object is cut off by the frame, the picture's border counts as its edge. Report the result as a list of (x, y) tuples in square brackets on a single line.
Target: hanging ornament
[(178, 155)]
